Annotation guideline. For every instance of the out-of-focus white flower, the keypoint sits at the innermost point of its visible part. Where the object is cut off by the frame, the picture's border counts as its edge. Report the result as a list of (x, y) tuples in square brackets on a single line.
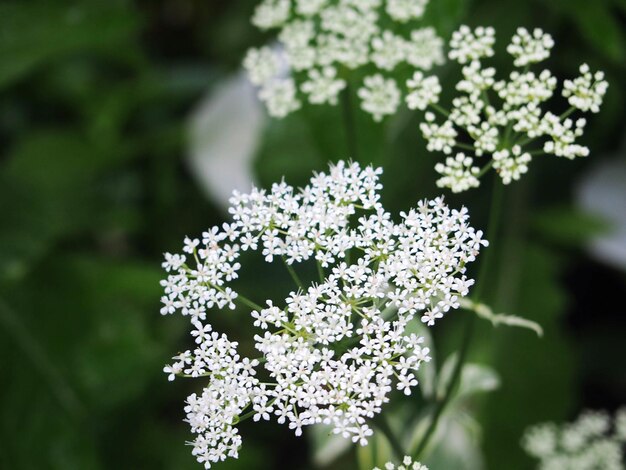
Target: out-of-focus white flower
[(271, 14), (323, 86), (333, 351), (503, 118), (592, 442), (422, 91), (405, 10), (344, 35), (379, 96), (279, 96), (467, 45)]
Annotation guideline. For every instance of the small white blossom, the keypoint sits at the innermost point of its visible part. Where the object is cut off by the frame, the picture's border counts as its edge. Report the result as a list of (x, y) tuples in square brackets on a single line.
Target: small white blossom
[(379, 96), (271, 13), (323, 86), (586, 92), (262, 65), (280, 97), (511, 164), (440, 138), (530, 49), (405, 10), (459, 173), (388, 50), (424, 49), (467, 45), (422, 91)]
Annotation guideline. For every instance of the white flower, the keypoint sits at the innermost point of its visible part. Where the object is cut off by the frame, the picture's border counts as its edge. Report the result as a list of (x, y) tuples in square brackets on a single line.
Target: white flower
[(476, 79), (379, 96), (323, 86), (592, 442), (586, 92), (262, 65), (271, 13), (317, 36), (441, 138), (467, 45), (459, 174), (525, 88), (502, 118), (309, 7), (388, 50), (424, 49), (511, 165), (423, 91), (530, 49), (280, 97), (332, 351), (405, 10)]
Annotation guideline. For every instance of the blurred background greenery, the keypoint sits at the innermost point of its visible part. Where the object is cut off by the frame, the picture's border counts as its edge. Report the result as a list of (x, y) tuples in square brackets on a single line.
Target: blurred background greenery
[(98, 178)]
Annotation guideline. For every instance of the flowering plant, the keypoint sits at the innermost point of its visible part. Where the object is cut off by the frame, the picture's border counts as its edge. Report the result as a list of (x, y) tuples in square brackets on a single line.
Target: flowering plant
[(502, 119), (323, 43), (331, 351)]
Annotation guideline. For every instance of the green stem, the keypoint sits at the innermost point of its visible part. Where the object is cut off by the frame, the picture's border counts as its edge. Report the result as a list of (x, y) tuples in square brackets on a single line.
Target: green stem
[(493, 225), (349, 121), (485, 169), (454, 381), (320, 271), (440, 110), (567, 113), (293, 274), (463, 146), (248, 303)]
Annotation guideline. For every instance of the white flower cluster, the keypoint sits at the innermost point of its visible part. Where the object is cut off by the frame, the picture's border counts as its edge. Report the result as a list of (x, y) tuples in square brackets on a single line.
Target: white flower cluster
[(502, 118), (331, 351), (593, 441), (407, 464), (324, 42)]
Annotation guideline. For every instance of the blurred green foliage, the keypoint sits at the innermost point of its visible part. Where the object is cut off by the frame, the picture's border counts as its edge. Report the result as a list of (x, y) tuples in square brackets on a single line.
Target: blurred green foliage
[(94, 97)]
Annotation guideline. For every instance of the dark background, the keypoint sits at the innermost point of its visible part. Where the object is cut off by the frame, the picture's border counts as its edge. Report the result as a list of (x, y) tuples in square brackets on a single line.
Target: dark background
[(95, 185)]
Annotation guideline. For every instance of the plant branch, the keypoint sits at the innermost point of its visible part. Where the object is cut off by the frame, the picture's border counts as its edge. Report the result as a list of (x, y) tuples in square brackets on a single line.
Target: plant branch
[(493, 225)]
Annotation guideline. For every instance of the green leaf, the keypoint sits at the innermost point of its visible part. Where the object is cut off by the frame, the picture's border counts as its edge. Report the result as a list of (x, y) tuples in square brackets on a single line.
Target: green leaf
[(483, 311), (36, 33)]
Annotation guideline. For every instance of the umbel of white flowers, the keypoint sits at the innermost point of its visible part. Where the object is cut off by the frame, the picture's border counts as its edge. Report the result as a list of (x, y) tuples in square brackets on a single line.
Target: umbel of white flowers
[(495, 123), (322, 42), (333, 350), (593, 441)]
